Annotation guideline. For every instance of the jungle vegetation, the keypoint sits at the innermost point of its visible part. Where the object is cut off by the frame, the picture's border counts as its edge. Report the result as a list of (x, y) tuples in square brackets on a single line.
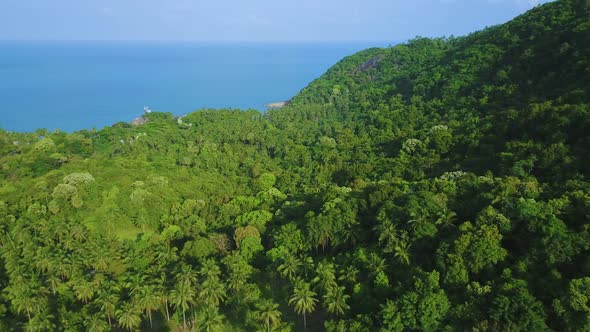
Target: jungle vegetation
[(440, 184)]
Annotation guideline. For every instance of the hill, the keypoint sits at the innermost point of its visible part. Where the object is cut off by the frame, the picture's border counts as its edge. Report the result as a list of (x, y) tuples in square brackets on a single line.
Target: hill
[(440, 184)]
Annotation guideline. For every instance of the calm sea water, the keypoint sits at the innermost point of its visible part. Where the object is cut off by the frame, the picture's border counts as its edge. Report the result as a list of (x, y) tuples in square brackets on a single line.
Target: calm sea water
[(84, 85)]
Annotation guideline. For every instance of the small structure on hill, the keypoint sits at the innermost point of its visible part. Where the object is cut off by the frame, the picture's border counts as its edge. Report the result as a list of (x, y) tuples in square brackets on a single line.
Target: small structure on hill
[(277, 105)]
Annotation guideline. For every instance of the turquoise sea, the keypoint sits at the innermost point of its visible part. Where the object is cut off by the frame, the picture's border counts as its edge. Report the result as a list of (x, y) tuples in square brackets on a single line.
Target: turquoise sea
[(84, 85)]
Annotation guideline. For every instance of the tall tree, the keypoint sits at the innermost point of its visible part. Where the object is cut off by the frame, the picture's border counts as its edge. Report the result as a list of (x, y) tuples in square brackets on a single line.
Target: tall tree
[(181, 297), (326, 276), (97, 323), (41, 322), (290, 267), (83, 289), (212, 292), (210, 320), (304, 301), (106, 300), (129, 317), (148, 300), (267, 314), (335, 300)]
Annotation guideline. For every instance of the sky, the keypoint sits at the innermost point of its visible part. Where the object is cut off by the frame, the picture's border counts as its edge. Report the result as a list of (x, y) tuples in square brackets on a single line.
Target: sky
[(251, 20)]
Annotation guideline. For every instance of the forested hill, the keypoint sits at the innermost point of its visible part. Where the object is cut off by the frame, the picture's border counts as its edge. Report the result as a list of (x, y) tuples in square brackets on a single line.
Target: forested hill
[(497, 84), (435, 185)]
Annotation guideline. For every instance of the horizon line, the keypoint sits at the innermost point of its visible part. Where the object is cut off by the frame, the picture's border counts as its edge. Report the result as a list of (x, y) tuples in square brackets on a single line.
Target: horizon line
[(213, 41)]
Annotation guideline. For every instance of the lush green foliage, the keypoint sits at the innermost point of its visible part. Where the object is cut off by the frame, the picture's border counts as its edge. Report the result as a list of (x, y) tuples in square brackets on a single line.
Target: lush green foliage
[(436, 185)]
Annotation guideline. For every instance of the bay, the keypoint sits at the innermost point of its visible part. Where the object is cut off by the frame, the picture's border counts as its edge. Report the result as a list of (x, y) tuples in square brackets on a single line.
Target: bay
[(77, 85)]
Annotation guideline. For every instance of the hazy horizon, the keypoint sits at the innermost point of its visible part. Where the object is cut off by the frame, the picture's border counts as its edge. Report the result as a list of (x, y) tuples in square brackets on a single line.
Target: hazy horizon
[(257, 21)]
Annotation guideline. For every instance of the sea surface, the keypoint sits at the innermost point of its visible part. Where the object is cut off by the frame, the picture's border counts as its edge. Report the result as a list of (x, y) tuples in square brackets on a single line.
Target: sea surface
[(84, 85)]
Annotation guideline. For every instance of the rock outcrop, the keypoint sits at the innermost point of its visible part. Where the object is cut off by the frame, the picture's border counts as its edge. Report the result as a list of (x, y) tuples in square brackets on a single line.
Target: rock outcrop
[(139, 121)]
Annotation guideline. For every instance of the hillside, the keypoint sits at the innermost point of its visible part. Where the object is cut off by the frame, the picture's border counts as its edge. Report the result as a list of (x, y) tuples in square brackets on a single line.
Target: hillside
[(441, 184)]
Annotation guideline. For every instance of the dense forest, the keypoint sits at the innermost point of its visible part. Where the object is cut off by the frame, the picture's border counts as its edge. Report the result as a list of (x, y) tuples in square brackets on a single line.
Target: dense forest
[(440, 184)]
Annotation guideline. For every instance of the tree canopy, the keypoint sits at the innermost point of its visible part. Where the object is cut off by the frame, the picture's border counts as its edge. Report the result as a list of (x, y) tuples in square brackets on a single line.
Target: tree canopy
[(440, 184)]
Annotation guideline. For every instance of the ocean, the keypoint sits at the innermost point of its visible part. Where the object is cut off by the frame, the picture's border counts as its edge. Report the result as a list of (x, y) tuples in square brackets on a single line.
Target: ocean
[(84, 85)]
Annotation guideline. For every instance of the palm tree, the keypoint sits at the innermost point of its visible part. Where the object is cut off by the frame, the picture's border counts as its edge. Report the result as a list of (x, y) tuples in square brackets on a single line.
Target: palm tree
[(307, 265), (268, 315), (210, 269), (54, 282), (326, 276), (100, 260), (83, 289), (402, 252), (335, 301), (79, 233), (321, 233), (59, 230), (239, 273), (106, 301), (348, 233), (387, 235), (129, 317), (163, 294), (24, 304), (187, 276), (417, 222), (25, 298), (446, 218), (235, 282), (390, 315), (290, 267), (62, 265), (96, 323), (135, 282), (212, 292), (376, 264), (43, 260), (349, 274), (148, 300), (69, 243), (304, 300), (210, 320), (181, 297), (43, 321)]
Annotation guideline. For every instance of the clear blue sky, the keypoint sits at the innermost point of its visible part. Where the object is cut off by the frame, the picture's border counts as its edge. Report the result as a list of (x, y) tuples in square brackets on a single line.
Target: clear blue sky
[(250, 20)]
